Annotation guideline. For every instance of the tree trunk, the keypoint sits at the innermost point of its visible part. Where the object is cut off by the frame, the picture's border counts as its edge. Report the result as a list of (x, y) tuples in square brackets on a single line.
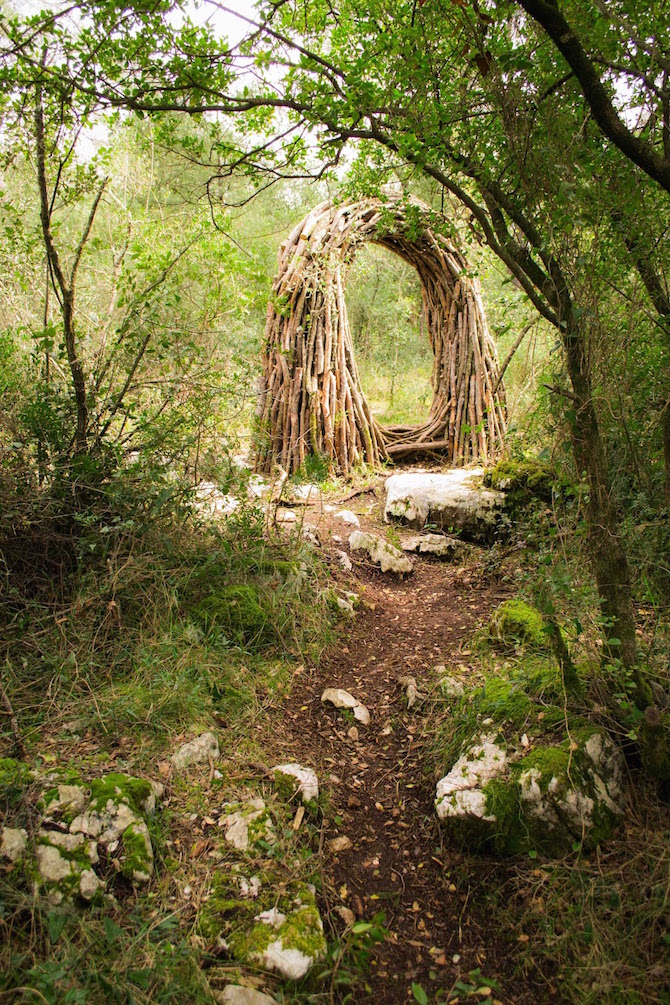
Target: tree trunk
[(607, 551)]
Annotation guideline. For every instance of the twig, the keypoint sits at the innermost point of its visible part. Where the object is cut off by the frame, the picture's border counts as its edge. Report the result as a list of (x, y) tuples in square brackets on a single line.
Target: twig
[(508, 359)]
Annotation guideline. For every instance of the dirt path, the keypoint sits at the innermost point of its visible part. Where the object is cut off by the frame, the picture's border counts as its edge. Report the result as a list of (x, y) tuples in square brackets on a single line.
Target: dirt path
[(382, 794)]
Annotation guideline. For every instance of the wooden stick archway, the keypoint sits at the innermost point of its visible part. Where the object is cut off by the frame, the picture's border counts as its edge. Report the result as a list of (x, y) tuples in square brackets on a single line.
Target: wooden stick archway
[(311, 399)]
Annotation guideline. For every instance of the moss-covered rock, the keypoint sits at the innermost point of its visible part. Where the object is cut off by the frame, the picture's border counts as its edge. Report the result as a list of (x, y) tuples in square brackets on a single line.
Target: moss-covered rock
[(239, 612), (515, 623), (522, 480), (520, 777), (280, 932), (247, 823), (293, 780), (65, 865)]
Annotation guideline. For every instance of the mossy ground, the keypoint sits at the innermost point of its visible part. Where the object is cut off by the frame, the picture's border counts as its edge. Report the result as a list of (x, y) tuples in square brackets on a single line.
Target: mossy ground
[(127, 682)]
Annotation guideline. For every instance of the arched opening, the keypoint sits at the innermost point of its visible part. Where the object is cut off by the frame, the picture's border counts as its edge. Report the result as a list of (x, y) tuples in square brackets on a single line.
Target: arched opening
[(395, 359), (311, 400)]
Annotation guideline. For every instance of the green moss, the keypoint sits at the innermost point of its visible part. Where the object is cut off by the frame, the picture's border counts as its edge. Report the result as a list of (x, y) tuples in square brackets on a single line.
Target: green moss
[(119, 788), (239, 612), (14, 780), (137, 858), (302, 928), (516, 622), (550, 762), (286, 786), (503, 802), (523, 479)]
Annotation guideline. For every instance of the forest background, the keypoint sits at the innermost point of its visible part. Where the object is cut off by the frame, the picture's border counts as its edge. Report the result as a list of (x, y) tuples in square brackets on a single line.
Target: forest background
[(149, 172)]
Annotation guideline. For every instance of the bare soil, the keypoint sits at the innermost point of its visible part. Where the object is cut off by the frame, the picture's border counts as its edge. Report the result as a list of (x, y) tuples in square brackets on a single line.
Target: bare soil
[(381, 785)]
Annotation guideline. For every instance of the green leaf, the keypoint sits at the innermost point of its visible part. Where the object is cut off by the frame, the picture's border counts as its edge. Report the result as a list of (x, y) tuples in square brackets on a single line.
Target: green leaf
[(112, 930), (420, 995), (55, 924)]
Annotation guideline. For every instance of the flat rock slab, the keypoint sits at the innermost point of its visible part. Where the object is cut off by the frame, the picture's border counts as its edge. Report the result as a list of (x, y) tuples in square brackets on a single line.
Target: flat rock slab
[(437, 545), (451, 500), (385, 555)]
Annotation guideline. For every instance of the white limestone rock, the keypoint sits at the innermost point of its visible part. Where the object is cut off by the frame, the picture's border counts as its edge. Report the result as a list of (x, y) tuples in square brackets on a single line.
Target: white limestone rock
[(349, 517), (52, 865), (306, 779), (450, 686), (344, 560), (69, 799), (340, 698), (556, 795), (246, 823), (305, 493), (412, 693), (198, 751), (448, 548), (455, 499), (13, 843), (300, 942), (345, 606), (89, 884), (250, 888), (258, 487), (385, 555), (310, 533), (287, 516), (571, 803), (212, 502), (459, 793), (235, 994)]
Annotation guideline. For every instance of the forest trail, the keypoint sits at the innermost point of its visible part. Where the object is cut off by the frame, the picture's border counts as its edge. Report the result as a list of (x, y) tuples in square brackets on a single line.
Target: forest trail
[(381, 785)]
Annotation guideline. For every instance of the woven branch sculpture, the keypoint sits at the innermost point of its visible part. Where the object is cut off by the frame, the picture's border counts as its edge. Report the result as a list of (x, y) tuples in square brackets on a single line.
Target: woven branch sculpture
[(311, 399)]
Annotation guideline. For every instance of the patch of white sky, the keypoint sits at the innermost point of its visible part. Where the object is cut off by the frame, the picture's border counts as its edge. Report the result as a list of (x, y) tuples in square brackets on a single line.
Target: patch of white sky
[(229, 23)]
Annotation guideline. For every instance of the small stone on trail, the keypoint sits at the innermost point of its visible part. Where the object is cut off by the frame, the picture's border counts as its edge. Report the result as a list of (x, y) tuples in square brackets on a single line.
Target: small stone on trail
[(342, 843), (347, 516), (385, 555), (344, 560), (352, 733), (414, 696), (287, 516), (197, 751), (305, 493), (340, 698), (308, 783)]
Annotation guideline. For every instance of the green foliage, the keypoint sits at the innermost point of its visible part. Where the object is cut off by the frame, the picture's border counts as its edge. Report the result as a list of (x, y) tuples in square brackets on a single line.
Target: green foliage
[(237, 612), (517, 623), (393, 353), (14, 779)]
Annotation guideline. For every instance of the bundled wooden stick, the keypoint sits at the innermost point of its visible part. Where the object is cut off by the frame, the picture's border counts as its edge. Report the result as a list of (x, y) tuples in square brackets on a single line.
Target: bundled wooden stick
[(311, 399)]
